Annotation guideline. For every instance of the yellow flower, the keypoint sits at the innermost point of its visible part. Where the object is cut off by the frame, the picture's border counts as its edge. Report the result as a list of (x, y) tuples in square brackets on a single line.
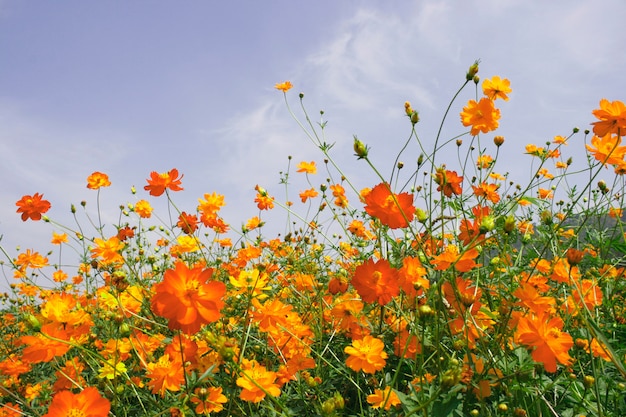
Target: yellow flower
[(386, 398), (497, 88), (284, 86), (111, 370), (482, 116)]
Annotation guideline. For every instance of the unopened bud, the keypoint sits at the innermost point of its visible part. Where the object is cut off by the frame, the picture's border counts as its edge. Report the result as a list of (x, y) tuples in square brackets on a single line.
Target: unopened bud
[(421, 215), (472, 71), (509, 224), (415, 117), (360, 149), (487, 224), (498, 140)]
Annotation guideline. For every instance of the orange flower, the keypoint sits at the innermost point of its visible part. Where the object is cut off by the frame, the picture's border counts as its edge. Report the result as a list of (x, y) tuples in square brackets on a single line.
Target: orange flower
[(489, 191), (606, 149), (108, 250), (32, 207), (143, 208), (158, 183), (340, 195), (412, 276), (263, 200), (284, 86), (88, 403), (367, 355), (449, 182), (211, 204), (497, 88), (393, 210), (98, 180), (209, 400), (58, 238), (10, 410), (612, 118), (256, 381), (544, 334), (187, 222), (187, 298), (306, 194), (545, 193), (165, 375), (376, 281), (482, 116), (450, 257), (308, 167), (386, 398)]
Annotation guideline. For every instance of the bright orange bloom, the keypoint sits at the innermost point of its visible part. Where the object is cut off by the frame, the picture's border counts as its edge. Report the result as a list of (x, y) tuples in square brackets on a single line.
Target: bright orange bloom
[(340, 195), (11, 410), (308, 167), (108, 250), (58, 238), (211, 204), (165, 375), (30, 259), (545, 193), (484, 161), (449, 182), (412, 276), (284, 86), (69, 376), (497, 88), (158, 183), (143, 208), (367, 355), (32, 207), (612, 118), (607, 149), (393, 210), (188, 298), (253, 223), (489, 191), (386, 398), (481, 116), (98, 180), (306, 194), (187, 222), (256, 381), (87, 403), (462, 262), (544, 334), (263, 200), (208, 400), (376, 281)]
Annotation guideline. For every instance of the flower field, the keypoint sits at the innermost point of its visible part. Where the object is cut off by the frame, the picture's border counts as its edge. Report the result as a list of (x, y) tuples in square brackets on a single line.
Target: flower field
[(443, 289)]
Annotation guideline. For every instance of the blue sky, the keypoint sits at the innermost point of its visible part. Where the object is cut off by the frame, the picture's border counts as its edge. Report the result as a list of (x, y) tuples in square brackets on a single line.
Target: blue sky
[(132, 87)]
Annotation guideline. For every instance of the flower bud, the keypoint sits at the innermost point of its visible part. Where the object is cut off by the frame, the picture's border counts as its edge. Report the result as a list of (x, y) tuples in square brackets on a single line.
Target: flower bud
[(421, 215), (487, 224), (360, 149), (498, 140), (472, 71), (509, 224), (415, 117), (574, 256), (588, 381)]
